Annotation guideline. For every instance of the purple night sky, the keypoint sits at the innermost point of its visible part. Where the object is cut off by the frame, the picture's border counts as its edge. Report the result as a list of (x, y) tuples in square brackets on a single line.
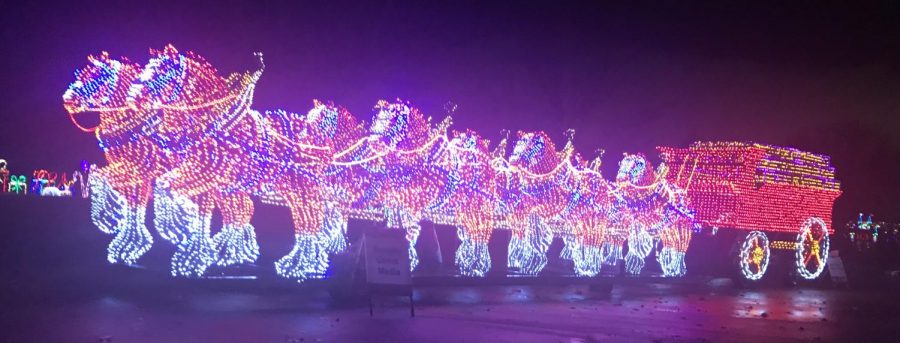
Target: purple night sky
[(823, 79)]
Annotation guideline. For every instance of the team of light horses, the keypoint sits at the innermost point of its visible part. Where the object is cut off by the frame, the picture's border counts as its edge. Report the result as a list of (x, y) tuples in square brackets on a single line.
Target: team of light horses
[(177, 131)]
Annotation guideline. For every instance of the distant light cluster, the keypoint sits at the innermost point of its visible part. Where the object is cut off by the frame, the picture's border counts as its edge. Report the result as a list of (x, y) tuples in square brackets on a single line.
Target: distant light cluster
[(176, 130), (44, 182)]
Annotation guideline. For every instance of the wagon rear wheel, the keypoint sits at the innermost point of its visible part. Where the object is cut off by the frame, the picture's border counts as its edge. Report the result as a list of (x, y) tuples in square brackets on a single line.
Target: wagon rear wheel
[(812, 248), (754, 255)]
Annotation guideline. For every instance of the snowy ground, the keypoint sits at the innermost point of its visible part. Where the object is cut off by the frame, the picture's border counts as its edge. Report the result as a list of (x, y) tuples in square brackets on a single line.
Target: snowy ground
[(640, 312)]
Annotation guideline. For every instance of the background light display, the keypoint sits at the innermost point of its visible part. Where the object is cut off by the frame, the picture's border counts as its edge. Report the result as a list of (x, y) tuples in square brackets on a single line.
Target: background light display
[(44, 182), (177, 130)]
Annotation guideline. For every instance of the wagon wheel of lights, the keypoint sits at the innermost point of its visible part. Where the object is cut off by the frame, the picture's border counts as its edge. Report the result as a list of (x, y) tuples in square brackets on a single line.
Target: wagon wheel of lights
[(812, 248), (754, 257)]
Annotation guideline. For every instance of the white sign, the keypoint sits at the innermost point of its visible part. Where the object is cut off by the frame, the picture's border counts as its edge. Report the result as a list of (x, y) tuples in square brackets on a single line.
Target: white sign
[(387, 258)]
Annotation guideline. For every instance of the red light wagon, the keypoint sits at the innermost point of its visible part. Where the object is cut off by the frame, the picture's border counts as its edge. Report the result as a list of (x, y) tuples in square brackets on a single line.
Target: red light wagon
[(766, 192)]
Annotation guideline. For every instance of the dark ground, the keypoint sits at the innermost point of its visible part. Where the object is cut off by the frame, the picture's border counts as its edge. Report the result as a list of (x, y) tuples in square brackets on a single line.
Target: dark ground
[(58, 288)]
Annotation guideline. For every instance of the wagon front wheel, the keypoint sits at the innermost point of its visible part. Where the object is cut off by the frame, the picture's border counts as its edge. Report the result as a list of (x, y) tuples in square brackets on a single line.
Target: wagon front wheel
[(812, 248), (754, 255)]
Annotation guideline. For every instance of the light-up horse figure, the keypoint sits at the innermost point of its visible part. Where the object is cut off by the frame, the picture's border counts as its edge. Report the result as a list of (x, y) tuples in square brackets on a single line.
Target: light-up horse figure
[(190, 111), (235, 153), (345, 183), (587, 216), (473, 202), (651, 210), (121, 189), (135, 158), (413, 180), (678, 225), (411, 172), (531, 195)]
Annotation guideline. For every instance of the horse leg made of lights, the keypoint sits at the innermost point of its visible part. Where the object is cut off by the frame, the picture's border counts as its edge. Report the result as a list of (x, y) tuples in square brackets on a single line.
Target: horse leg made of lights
[(476, 226), (107, 204), (615, 233), (537, 234), (184, 220), (475, 216), (516, 249), (473, 257), (662, 227), (236, 242), (120, 210), (586, 259), (673, 233), (523, 256), (196, 253), (539, 237), (529, 244), (675, 241), (174, 214), (334, 228), (402, 213), (675, 237), (611, 250), (308, 259), (570, 245), (586, 245), (526, 252), (640, 244)]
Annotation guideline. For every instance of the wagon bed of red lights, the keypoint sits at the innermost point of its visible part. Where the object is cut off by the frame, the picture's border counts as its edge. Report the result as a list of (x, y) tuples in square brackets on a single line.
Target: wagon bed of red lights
[(762, 190)]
